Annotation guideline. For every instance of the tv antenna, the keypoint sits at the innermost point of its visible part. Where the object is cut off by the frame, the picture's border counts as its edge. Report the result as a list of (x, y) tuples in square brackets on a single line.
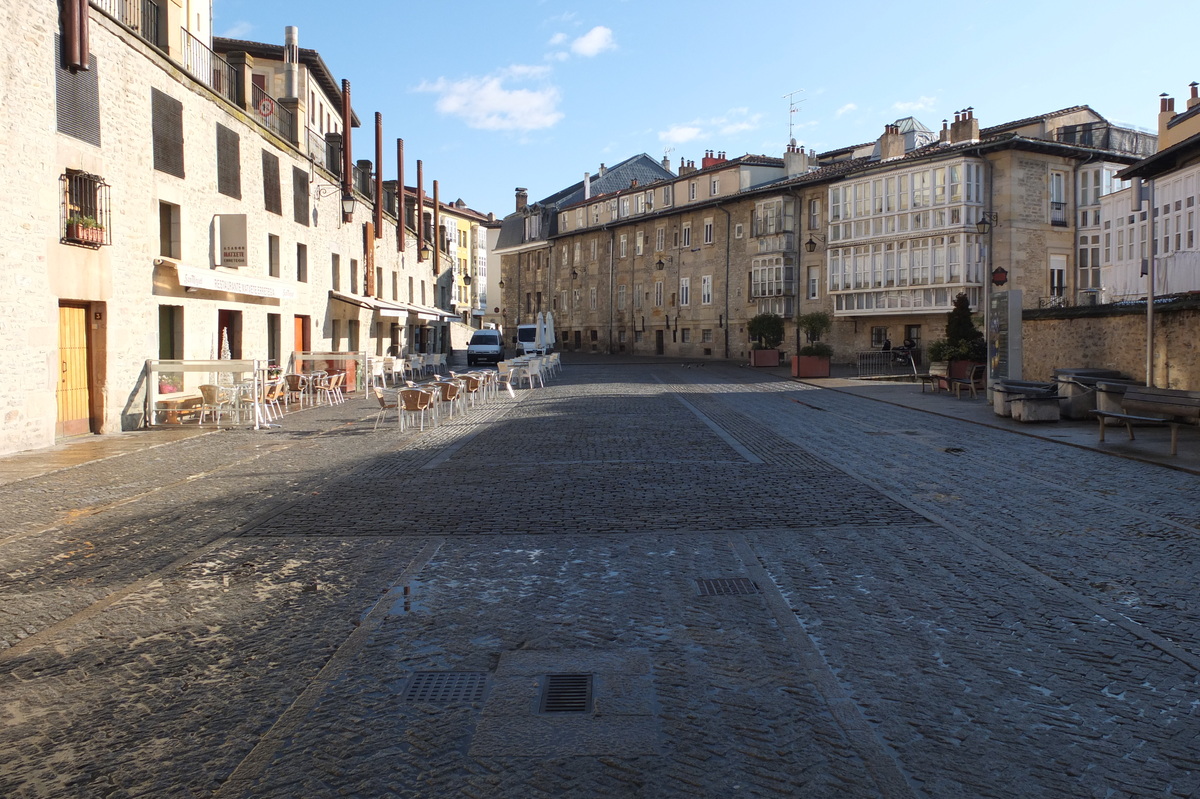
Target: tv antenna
[(793, 107)]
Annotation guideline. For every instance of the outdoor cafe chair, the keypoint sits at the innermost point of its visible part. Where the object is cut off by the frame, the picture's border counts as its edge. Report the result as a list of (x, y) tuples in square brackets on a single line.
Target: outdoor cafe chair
[(273, 394), (399, 368), (295, 388), (384, 406), (413, 402), (378, 377), (215, 400)]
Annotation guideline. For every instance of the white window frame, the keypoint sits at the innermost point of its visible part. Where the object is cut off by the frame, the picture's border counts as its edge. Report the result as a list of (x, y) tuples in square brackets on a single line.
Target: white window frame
[(685, 291), (687, 235), (708, 231), (706, 292), (658, 293)]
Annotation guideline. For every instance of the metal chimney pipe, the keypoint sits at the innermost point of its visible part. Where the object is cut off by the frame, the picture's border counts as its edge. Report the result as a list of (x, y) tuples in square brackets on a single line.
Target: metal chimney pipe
[(420, 216), (400, 234), (347, 158), (291, 60), (378, 175)]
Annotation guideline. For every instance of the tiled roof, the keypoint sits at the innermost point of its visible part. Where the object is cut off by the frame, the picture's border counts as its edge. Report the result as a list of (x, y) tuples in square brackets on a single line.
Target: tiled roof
[(1030, 120), (641, 168), (310, 58)]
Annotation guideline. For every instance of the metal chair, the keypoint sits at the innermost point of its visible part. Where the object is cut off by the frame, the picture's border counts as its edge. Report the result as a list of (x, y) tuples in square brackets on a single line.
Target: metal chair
[(384, 406)]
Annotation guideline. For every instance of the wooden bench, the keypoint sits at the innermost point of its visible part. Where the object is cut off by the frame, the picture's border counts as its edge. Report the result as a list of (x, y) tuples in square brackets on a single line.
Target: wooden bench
[(1146, 405), (972, 382), (937, 377)]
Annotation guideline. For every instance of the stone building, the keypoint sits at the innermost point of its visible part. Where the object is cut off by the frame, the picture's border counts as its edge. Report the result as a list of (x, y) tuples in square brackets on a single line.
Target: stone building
[(883, 236), (165, 205)]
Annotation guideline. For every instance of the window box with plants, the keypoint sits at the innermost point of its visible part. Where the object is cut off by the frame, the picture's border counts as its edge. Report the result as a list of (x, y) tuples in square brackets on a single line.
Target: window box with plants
[(85, 230), (813, 359), (767, 331)]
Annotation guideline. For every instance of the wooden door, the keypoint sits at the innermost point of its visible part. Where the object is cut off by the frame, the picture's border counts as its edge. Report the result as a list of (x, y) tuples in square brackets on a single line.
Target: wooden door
[(658, 342), (74, 399)]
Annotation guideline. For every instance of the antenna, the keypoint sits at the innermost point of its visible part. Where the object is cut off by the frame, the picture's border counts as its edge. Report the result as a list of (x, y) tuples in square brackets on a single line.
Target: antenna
[(793, 107)]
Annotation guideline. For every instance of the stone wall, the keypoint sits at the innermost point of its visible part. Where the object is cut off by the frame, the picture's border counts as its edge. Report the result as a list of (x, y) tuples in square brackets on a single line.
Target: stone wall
[(1115, 338)]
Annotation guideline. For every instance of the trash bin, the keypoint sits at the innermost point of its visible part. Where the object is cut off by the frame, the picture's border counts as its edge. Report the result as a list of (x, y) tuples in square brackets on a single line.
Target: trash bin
[(1109, 394), (1005, 392)]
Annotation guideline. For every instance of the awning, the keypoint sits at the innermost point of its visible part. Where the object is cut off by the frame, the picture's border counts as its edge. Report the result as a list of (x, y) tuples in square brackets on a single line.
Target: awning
[(222, 280), (396, 310)]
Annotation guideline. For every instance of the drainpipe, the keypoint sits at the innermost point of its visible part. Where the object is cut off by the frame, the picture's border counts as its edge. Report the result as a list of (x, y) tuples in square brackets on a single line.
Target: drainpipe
[(612, 266), (347, 160), (378, 175), (420, 213), (728, 230), (400, 234)]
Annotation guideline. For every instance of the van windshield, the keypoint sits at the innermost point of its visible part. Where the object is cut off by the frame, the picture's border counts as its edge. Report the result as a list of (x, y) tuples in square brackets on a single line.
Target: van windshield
[(484, 338), (527, 334)]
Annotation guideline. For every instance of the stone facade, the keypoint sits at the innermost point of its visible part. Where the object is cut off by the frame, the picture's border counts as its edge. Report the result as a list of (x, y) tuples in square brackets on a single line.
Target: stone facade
[(162, 226)]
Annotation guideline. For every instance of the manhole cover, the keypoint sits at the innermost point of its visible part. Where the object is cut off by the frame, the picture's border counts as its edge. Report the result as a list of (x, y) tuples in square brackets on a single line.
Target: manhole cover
[(566, 693), (727, 586), (446, 686)]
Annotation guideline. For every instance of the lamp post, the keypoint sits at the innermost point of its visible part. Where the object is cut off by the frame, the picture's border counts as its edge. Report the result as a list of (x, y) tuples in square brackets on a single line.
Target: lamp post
[(984, 225)]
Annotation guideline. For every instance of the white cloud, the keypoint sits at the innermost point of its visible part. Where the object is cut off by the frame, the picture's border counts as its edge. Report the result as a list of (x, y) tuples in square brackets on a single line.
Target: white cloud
[(679, 134), (492, 102), (557, 39), (922, 104), (846, 109), (238, 30), (594, 42)]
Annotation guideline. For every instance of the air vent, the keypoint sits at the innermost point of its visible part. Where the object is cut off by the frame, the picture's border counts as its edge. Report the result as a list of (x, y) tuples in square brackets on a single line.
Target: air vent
[(444, 687), (566, 693), (727, 586)]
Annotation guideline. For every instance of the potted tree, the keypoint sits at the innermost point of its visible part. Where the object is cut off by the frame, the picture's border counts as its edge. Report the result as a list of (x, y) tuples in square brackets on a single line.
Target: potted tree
[(964, 346), (767, 331), (812, 360)]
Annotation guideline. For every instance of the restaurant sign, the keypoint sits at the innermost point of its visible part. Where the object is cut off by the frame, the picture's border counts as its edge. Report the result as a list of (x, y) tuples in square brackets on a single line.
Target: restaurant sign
[(213, 280), (230, 235)]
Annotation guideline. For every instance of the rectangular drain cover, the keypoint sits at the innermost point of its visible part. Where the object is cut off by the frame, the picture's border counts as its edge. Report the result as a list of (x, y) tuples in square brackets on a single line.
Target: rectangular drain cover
[(566, 693), (727, 586), (446, 686)]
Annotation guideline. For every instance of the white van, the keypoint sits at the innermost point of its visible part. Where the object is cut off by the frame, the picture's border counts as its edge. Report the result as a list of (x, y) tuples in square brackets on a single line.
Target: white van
[(527, 339)]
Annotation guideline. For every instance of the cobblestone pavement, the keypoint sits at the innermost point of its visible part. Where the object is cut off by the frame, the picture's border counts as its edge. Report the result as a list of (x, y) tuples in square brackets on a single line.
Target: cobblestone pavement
[(775, 590)]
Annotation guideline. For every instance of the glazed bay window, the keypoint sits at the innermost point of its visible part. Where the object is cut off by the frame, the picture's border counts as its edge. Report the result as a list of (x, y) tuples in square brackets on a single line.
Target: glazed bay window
[(771, 277)]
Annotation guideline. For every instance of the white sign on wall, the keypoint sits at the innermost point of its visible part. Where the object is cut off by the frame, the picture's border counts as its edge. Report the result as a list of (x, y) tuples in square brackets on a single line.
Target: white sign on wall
[(230, 230)]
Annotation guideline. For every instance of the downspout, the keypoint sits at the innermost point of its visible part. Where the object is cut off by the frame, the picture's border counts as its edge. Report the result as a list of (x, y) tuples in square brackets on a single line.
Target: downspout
[(612, 266), (728, 229), (378, 175), (419, 216), (1151, 268), (400, 234), (347, 157)]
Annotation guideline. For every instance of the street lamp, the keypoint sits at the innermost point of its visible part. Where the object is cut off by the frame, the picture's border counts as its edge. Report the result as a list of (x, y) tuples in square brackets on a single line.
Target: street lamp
[(987, 220), (811, 244)]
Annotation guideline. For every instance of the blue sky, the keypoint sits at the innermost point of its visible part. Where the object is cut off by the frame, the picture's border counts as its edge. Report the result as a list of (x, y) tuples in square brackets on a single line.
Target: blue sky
[(491, 96)]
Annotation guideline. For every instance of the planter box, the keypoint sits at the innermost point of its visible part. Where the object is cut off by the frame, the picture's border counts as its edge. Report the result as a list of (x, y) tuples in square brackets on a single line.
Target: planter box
[(810, 366), (764, 357)]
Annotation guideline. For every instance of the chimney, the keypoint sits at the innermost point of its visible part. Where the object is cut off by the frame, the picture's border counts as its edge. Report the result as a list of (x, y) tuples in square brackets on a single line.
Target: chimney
[(633, 183), (666, 162), (602, 171), (944, 135), (587, 185), (795, 160), (1194, 100), (1166, 112), (965, 127), (891, 143), (712, 159), (291, 61), (522, 198)]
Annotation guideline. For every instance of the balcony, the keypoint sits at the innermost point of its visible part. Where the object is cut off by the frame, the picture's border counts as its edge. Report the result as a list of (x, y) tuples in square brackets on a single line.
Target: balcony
[(1058, 214), (207, 67), (140, 16)]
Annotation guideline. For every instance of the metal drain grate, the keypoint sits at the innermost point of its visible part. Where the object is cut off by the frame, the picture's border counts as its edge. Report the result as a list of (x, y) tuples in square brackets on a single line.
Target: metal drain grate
[(566, 693), (727, 586), (446, 686)]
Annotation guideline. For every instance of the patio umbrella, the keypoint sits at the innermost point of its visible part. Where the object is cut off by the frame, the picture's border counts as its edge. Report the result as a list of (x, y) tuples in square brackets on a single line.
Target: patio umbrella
[(539, 341), (551, 339)]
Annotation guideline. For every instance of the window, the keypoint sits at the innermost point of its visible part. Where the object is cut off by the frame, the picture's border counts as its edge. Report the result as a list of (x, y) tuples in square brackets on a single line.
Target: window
[(814, 282), (706, 336), (354, 280), (685, 291), (274, 337), (272, 200), (708, 231), (706, 295), (229, 163), (1058, 199), (739, 230), (692, 190), (624, 207), (621, 297), (85, 209), (878, 336), (714, 186), (302, 263), (660, 239), (666, 196), (624, 245), (658, 293), (272, 255), (1058, 275), (77, 99), (637, 295), (770, 277), (166, 129), (592, 298), (687, 234), (685, 335), (169, 244), (335, 267), (814, 214), (640, 243), (300, 196)]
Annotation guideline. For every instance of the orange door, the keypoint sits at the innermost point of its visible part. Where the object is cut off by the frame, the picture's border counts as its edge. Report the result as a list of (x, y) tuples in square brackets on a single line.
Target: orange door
[(74, 399)]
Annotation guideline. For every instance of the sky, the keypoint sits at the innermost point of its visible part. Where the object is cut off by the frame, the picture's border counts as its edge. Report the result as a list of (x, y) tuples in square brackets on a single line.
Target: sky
[(494, 96)]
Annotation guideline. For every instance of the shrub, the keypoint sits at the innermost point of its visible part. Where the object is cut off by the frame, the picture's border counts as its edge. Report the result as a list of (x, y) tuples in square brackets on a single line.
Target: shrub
[(815, 324), (817, 348), (767, 329)]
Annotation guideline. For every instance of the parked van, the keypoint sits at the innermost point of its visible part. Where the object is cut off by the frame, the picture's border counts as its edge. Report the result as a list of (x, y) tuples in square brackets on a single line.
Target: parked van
[(527, 339), (485, 346)]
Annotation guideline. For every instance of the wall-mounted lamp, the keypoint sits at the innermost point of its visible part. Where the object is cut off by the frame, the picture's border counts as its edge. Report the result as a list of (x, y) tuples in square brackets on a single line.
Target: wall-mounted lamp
[(987, 220), (811, 244), (426, 252), (574, 274), (348, 200), (660, 264), (501, 283), (466, 280)]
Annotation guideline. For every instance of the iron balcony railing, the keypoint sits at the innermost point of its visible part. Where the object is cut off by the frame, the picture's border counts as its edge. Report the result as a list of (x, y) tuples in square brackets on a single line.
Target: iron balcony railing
[(1058, 214), (271, 114), (140, 16), (206, 66)]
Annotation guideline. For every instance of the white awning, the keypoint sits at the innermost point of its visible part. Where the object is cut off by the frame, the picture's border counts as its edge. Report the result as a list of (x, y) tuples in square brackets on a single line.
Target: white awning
[(395, 310), (224, 280)]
